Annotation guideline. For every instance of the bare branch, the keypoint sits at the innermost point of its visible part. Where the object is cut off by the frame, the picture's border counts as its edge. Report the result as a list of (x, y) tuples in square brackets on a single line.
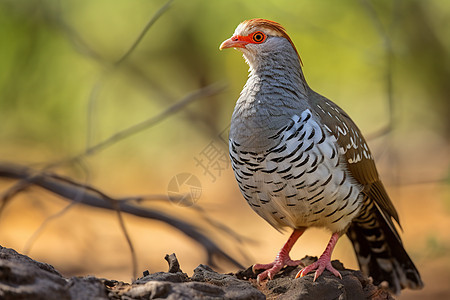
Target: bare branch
[(205, 92), (71, 190), (155, 17)]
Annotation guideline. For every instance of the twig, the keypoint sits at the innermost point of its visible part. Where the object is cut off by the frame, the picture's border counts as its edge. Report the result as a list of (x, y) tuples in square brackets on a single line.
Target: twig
[(388, 69), (93, 96), (99, 83), (129, 242), (37, 232), (155, 17), (76, 200), (393, 156), (11, 192), (220, 226), (379, 133)]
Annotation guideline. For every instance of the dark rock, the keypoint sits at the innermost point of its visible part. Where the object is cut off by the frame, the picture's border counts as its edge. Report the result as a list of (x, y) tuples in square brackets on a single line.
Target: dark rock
[(233, 287), (163, 276), (88, 287), (174, 265), (204, 284), (173, 275), (23, 278), (12, 256), (353, 285)]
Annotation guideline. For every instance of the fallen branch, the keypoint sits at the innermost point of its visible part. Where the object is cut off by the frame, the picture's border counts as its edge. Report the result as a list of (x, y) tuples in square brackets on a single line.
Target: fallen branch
[(88, 195)]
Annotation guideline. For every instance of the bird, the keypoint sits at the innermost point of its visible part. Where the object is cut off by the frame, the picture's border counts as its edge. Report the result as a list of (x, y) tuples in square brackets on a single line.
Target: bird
[(301, 162)]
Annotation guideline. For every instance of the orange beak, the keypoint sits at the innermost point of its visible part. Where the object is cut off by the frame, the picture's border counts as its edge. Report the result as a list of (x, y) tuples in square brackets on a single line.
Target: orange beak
[(233, 42)]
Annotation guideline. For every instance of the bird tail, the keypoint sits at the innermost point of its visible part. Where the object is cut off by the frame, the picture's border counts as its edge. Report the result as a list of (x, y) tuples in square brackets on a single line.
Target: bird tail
[(380, 251)]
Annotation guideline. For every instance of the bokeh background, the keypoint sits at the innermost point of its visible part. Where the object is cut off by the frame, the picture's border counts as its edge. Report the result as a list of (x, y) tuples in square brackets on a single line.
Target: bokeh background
[(65, 88)]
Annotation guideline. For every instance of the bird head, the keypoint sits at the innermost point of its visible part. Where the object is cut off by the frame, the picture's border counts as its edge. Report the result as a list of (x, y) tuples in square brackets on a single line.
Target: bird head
[(259, 38)]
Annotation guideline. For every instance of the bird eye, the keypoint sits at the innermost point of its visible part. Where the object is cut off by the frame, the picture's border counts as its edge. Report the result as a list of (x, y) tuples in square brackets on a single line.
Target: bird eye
[(258, 37)]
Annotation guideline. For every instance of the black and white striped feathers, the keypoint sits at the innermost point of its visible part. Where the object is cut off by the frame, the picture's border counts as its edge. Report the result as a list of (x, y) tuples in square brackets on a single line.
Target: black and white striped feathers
[(301, 181)]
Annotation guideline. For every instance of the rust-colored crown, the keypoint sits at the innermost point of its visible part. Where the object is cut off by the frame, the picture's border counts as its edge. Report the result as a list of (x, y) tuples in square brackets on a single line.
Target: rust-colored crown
[(273, 27)]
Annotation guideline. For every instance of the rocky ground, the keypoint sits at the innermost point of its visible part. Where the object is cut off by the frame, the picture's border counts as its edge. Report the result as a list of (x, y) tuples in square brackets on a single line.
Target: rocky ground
[(24, 278)]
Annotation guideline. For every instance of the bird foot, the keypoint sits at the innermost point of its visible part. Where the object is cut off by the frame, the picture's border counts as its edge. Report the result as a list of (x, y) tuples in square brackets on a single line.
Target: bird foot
[(274, 267), (320, 265)]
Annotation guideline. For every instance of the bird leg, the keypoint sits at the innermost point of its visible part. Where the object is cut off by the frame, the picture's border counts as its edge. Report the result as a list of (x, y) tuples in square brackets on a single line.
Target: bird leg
[(282, 259), (324, 261)]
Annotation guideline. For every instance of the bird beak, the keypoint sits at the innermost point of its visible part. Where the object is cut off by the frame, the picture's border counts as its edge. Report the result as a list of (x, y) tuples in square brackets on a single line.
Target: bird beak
[(233, 42)]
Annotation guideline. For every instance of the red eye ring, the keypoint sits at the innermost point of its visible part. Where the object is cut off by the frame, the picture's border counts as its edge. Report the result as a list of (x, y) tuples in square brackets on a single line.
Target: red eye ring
[(258, 37)]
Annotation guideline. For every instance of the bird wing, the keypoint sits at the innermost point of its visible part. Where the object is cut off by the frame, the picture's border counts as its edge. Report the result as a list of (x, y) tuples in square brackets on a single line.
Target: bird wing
[(359, 159)]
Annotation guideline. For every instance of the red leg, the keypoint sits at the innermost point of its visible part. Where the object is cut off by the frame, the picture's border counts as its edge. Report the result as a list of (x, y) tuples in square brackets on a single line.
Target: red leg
[(282, 259), (324, 261)]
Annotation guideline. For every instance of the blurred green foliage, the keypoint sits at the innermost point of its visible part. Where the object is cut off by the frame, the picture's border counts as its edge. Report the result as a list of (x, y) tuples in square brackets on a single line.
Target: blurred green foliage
[(58, 88)]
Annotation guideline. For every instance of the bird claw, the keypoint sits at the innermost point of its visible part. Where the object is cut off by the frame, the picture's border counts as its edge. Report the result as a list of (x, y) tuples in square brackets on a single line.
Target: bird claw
[(273, 268), (266, 274), (262, 276), (320, 265)]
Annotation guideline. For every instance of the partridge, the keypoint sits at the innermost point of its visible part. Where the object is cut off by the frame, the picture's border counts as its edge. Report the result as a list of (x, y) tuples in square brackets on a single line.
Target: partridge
[(301, 162)]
